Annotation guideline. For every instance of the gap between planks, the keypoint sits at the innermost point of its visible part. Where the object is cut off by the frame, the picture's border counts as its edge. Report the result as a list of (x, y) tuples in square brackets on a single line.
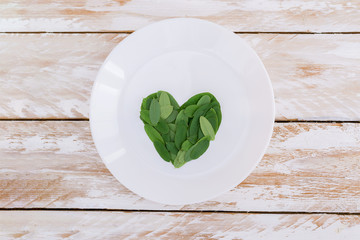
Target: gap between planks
[(87, 120), (177, 211), (45, 119), (129, 32)]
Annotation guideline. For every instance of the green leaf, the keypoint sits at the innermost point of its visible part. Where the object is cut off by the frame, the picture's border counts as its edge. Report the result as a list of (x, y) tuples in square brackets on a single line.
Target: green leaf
[(173, 156), (199, 148), (172, 116), (187, 155), (206, 128), (143, 104), (172, 131), (195, 125), (202, 110), (173, 102), (163, 152), (200, 134), (190, 110), (152, 133), (181, 117), (189, 124), (162, 127), (172, 136), (213, 119), (186, 145), (218, 113), (148, 100), (193, 138), (166, 137), (194, 99), (164, 99), (144, 116), (180, 159), (180, 134), (172, 127), (166, 111), (154, 112), (172, 148), (204, 100)]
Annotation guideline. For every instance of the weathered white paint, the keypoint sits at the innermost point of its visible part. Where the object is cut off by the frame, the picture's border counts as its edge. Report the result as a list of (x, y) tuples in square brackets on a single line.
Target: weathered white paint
[(160, 225), (317, 139), (51, 75), (315, 77), (128, 15), (308, 167), (55, 165), (311, 75)]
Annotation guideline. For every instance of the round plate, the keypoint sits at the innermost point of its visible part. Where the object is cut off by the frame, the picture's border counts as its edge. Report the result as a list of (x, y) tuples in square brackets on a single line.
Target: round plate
[(183, 57)]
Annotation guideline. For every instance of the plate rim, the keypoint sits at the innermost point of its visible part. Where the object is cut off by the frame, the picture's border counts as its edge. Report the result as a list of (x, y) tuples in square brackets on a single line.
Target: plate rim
[(266, 136)]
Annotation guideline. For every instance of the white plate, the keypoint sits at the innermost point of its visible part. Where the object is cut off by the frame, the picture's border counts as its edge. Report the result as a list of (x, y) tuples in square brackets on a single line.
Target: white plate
[(184, 57)]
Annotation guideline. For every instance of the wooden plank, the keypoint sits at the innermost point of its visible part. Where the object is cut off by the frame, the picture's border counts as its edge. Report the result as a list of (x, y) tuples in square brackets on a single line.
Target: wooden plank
[(315, 77), (50, 76), (160, 225), (308, 167), (128, 15)]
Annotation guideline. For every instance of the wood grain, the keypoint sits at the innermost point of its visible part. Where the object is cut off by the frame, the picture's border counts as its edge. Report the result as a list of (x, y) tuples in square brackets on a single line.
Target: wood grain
[(128, 15), (50, 76), (158, 225), (315, 77), (308, 167)]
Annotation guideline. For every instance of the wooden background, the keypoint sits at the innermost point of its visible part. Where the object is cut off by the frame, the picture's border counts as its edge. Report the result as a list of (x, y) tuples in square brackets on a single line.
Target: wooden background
[(53, 185)]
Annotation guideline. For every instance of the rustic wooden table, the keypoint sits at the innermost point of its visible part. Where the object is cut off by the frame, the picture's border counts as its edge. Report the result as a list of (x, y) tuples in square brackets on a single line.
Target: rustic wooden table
[(53, 185)]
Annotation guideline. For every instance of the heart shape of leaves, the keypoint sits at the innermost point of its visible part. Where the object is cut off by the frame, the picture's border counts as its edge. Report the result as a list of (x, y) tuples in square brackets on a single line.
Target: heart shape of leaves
[(180, 133)]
